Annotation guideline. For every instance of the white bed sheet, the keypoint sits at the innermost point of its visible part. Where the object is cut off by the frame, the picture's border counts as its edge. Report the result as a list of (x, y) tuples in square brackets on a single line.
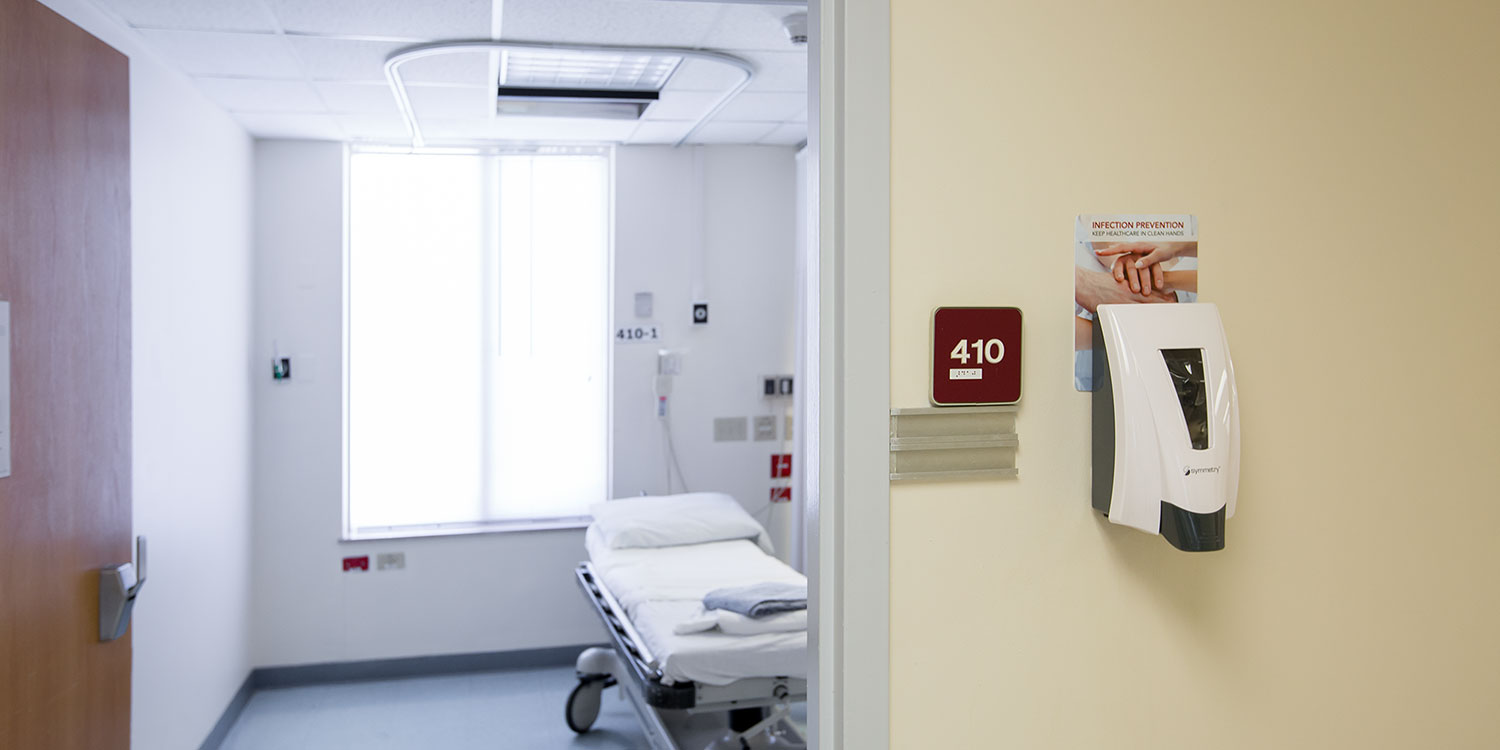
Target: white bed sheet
[(660, 587)]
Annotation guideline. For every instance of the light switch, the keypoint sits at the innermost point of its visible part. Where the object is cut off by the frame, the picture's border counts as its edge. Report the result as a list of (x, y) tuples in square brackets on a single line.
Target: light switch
[(730, 429)]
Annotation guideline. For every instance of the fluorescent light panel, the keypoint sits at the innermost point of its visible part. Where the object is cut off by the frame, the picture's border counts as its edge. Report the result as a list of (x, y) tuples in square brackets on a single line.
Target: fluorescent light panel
[(557, 68)]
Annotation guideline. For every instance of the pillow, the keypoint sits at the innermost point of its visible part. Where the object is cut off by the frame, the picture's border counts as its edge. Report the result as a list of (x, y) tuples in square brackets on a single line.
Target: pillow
[(672, 520)]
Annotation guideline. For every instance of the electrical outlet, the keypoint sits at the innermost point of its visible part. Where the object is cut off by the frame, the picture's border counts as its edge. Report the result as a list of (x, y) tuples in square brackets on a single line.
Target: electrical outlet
[(390, 561), (765, 428), (357, 563), (730, 429)]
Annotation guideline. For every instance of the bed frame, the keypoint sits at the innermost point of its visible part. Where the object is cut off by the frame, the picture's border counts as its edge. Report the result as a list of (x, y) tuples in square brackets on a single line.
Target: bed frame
[(629, 663)]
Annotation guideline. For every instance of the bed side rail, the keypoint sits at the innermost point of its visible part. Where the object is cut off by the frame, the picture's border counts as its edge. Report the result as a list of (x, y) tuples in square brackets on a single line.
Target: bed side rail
[(632, 647)]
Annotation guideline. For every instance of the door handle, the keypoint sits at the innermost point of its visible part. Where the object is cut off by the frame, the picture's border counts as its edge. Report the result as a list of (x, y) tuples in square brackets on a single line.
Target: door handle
[(118, 587)]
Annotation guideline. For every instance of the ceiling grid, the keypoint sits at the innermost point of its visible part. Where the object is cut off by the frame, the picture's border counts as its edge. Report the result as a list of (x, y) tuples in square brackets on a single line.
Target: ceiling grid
[(314, 68)]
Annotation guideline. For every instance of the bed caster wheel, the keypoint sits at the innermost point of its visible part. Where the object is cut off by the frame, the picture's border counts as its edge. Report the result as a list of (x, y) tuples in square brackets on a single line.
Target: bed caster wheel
[(583, 705)]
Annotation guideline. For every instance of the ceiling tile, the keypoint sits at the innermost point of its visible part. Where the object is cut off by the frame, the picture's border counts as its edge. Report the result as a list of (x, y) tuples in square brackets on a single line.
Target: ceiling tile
[(429, 19), (747, 27), (256, 95), (343, 59), (364, 61), (633, 22), (682, 105), (787, 134), (754, 106), (304, 126), (358, 98), (451, 102), (390, 129), (704, 75), (203, 53), (469, 68), (450, 128), (455, 129), (534, 129), (778, 71), (732, 132), (200, 15), (660, 131), (559, 129)]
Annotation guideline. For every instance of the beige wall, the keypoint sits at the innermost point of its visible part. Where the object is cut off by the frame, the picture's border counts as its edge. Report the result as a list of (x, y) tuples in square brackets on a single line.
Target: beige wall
[(1342, 160)]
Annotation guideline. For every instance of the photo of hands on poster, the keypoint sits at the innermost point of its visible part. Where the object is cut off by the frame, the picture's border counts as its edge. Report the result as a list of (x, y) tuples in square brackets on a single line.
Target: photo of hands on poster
[(1128, 259)]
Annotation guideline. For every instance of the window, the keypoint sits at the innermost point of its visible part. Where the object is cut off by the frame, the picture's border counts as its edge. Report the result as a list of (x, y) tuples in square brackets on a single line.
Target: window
[(477, 356)]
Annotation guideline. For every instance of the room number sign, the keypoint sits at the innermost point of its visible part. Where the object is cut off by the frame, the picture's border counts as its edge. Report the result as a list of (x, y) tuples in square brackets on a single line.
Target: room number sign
[(640, 333), (976, 356)]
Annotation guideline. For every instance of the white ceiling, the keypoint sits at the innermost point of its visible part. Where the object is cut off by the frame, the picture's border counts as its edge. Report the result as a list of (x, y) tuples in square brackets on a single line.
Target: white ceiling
[(315, 68)]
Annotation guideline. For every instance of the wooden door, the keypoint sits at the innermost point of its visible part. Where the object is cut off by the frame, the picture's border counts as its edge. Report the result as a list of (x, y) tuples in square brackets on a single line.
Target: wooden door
[(65, 269)]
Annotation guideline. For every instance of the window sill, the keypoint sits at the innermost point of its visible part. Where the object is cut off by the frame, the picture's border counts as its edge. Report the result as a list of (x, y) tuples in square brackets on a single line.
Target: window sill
[(465, 529)]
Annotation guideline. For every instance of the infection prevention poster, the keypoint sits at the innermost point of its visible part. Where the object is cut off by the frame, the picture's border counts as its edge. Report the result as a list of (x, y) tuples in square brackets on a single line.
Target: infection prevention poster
[(1144, 259)]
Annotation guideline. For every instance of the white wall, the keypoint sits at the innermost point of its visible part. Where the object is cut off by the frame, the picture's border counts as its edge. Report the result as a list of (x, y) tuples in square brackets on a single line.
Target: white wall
[(491, 592), (456, 594), (190, 290), (746, 272)]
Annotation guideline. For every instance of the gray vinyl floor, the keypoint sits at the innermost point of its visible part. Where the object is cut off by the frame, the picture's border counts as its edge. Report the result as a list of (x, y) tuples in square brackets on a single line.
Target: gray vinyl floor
[(520, 709)]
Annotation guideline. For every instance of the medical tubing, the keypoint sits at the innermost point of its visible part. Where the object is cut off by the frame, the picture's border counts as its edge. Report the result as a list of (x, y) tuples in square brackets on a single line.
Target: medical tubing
[(666, 460), (672, 451)]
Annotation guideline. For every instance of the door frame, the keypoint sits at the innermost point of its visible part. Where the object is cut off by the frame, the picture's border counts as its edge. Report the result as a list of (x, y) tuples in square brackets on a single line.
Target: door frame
[(849, 124)]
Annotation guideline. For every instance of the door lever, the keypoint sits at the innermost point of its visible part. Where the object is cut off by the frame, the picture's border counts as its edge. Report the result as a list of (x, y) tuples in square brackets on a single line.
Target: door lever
[(118, 586)]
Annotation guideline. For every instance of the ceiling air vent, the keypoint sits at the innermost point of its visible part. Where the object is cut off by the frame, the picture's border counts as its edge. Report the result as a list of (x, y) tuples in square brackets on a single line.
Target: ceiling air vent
[(559, 81), (601, 104), (599, 84)]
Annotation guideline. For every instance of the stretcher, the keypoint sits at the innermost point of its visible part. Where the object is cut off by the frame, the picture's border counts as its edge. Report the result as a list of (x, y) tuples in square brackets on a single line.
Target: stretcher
[(752, 679)]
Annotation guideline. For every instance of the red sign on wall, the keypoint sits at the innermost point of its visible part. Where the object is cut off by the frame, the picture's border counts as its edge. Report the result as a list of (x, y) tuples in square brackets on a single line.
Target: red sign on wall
[(781, 465), (976, 356), (781, 494)]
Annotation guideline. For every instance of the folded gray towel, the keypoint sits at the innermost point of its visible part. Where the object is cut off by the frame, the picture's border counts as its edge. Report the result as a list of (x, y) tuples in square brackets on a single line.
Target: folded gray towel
[(758, 600)]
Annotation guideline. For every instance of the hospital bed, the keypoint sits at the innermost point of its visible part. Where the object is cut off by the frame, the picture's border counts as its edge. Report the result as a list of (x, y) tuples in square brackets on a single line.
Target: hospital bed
[(651, 561)]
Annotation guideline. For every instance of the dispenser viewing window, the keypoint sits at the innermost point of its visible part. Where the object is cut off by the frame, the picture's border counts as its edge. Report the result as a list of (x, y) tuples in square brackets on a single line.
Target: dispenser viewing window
[(1166, 422), (1186, 368)]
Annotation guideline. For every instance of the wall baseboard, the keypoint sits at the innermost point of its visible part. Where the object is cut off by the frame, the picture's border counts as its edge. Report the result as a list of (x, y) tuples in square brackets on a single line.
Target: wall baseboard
[(417, 666), (262, 678), (231, 714)]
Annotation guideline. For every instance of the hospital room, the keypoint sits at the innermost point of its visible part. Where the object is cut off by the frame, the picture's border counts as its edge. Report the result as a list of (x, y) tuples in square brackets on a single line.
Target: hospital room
[(464, 369), (747, 374)]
